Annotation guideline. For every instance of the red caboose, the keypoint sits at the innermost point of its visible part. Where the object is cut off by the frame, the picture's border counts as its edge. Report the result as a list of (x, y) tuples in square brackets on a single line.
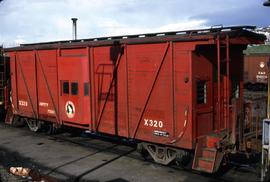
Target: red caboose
[(255, 67), (173, 92)]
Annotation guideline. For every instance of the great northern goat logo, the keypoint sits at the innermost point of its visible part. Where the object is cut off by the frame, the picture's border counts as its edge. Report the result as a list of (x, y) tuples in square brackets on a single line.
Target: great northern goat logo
[(70, 109), (262, 64)]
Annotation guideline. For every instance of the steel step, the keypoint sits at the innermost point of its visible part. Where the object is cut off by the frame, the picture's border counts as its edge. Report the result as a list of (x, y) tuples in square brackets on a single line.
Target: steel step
[(202, 170), (210, 160)]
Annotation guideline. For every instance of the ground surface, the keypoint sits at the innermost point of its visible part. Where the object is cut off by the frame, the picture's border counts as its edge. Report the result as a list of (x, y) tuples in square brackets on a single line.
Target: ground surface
[(79, 158)]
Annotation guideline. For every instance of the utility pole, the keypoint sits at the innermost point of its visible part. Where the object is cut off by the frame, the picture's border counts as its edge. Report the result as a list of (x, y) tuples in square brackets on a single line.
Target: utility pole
[(265, 173)]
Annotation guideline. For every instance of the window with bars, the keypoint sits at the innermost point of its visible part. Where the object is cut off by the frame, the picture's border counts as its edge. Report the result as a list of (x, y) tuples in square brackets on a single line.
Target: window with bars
[(86, 89), (65, 87), (201, 92), (74, 88)]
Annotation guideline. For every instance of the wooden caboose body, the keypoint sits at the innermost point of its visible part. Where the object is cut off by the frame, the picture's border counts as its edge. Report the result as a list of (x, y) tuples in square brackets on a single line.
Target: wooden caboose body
[(173, 92)]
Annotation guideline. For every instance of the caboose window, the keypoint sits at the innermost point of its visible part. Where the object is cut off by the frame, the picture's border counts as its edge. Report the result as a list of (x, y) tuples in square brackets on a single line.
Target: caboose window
[(201, 92), (65, 87), (86, 89), (74, 88)]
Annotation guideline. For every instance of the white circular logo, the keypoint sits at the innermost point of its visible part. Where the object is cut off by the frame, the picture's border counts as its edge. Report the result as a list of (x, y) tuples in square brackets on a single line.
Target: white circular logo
[(70, 109), (262, 64)]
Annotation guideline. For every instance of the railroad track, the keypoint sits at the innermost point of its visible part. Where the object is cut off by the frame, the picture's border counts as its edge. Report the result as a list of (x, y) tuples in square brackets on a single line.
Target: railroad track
[(100, 145)]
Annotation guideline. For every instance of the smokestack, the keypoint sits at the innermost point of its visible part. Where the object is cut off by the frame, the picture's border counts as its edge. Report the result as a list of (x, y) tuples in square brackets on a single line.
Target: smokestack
[(266, 3), (74, 28)]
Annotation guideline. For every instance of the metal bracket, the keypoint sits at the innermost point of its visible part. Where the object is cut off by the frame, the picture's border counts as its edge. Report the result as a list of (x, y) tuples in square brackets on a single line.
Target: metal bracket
[(265, 173)]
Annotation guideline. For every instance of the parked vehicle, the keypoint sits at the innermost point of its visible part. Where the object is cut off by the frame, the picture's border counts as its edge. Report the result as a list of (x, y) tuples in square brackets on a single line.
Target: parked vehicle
[(179, 95)]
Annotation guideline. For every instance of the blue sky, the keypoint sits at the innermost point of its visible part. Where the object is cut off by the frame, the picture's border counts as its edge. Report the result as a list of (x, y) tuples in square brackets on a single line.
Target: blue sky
[(24, 21)]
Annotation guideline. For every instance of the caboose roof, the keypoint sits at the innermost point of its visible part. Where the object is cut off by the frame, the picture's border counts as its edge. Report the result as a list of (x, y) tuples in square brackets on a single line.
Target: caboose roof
[(184, 36), (257, 49)]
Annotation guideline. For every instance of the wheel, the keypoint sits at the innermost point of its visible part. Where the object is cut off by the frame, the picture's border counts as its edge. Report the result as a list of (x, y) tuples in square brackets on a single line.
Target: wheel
[(18, 121), (144, 154), (34, 125), (142, 151), (160, 154), (184, 159), (49, 128)]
